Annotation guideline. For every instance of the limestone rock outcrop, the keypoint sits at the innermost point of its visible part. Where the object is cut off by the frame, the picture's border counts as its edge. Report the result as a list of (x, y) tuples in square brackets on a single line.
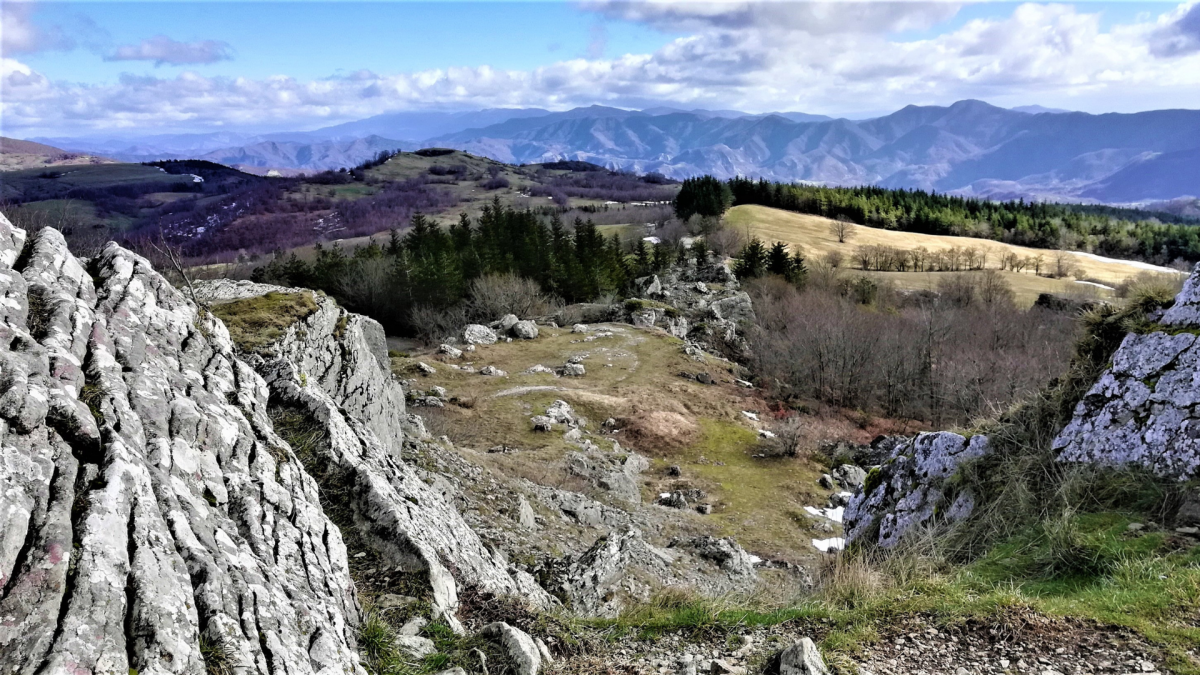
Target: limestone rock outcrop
[(332, 367), (913, 488), (1143, 408), (146, 504)]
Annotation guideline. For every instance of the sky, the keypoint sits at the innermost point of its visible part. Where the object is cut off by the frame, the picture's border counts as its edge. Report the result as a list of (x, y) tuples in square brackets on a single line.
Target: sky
[(133, 68)]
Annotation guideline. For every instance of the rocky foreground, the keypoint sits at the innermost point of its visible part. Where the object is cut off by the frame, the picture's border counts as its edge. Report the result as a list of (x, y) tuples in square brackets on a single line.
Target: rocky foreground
[(171, 499)]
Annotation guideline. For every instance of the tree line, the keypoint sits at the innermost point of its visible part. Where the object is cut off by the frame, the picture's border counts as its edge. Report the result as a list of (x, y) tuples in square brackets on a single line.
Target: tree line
[(1121, 233), (429, 267)]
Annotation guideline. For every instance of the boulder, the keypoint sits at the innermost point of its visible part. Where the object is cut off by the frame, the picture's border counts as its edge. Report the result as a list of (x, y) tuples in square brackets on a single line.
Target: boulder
[(507, 322), (579, 328), (849, 476), (492, 371), (560, 411), (1189, 512), (521, 648), (802, 658), (450, 351), (526, 330), (724, 552), (574, 370), (476, 334)]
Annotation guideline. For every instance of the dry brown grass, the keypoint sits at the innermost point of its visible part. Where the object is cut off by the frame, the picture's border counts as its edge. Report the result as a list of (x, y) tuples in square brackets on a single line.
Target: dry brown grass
[(659, 430), (813, 236), (255, 323)]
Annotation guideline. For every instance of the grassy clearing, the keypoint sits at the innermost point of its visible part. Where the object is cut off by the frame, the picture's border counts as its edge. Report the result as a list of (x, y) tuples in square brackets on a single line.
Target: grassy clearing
[(255, 323), (812, 235)]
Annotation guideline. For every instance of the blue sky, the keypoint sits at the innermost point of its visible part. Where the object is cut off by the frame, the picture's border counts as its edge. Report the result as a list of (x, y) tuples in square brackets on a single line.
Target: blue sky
[(70, 68)]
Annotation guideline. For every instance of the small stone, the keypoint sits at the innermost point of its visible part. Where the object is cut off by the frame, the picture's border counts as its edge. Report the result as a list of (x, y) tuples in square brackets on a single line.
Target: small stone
[(414, 625), (425, 368), (704, 378), (574, 370), (673, 470), (704, 509), (526, 330), (417, 647), (579, 328), (1135, 527), (450, 351), (492, 371), (722, 667), (826, 481), (542, 423)]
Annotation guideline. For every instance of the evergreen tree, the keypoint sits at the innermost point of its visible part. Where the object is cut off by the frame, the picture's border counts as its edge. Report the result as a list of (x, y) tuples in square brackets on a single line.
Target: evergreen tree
[(752, 261), (778, 261), (703, 196)]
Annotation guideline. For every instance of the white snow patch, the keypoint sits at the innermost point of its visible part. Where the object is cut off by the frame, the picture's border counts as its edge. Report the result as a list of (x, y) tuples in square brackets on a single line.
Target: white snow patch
[(1132, 263), (834, 514), (825, 545), (750, 416), (1093, 283), (197, 179)]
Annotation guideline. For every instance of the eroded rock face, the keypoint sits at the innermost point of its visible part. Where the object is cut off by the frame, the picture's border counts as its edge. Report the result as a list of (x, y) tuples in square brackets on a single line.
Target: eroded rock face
[(145, 501), (327, 366), (912, 489), (1143, 409)]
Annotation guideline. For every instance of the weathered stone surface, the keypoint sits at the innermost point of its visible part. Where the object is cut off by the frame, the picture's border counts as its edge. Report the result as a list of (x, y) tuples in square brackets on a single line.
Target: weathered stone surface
[(613, 473), (526, 330), (734, 308), (802, 658), (323, 368), (521, 648), (507, 322), (1142, 410), (912, 488), (849, 476), (476, 334), (144, 499)]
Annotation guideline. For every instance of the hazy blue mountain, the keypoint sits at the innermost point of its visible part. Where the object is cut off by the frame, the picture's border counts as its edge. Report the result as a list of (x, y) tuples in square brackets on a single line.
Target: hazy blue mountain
[(970, 147), (1037, 109)]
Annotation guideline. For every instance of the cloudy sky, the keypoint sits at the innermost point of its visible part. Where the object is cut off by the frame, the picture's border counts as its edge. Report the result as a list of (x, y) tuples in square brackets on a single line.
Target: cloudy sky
[(96, 68)]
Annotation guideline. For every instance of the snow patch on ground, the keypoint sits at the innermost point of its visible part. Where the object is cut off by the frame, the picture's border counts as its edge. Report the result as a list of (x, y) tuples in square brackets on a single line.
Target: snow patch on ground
[(1092, 283), (833, 543), (1132, 263)]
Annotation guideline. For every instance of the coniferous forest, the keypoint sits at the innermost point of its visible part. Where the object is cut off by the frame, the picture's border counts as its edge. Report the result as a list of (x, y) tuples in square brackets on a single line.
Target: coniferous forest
[(433, 267)]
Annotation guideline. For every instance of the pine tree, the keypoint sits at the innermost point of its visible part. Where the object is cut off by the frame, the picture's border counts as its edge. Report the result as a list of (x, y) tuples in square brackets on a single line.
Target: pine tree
[(778, 261), (752, 261)]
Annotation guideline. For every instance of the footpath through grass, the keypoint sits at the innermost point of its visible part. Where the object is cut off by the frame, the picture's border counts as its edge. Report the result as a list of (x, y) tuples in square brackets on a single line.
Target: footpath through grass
[(1092, 567)]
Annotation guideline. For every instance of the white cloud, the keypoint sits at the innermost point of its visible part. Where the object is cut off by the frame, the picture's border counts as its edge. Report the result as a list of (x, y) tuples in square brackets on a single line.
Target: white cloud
[(814, 18), (162, 50), (19, 34), (1056, 55)]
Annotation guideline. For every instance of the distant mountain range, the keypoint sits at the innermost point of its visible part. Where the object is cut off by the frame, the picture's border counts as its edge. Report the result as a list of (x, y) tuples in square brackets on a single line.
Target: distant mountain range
[(969, 147)]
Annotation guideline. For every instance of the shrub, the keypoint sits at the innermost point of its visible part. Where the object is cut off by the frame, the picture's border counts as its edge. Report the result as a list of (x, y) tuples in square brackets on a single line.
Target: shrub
[(494, 183), (493, 295)]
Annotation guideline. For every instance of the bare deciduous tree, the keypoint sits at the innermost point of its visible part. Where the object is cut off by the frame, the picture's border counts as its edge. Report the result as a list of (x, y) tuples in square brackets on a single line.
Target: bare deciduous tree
[(842, 228)]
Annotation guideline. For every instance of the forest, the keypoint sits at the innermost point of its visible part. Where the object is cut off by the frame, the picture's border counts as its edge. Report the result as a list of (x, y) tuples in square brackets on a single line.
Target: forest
[(432, 269)]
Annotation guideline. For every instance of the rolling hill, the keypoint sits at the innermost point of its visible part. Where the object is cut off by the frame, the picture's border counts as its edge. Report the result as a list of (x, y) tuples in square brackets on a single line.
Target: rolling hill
[(16, 155), (812, 236)]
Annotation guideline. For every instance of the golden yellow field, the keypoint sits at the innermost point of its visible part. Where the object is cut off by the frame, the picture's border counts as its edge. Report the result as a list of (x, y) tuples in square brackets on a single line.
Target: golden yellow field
[(813, 236)]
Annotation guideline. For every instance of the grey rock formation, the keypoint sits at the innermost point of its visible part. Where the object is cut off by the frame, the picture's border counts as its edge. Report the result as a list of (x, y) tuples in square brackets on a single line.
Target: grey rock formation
[(507, 322), (526, 330), (849, 476), (913, 488), (802, 658), (617, 474), (521, 648), (476, 334), (735, 308), (1143, 408), (145, 501), (324, 367)]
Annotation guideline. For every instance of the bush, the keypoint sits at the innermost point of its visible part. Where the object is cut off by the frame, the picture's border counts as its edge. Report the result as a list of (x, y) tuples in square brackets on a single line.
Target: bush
[(494, 183), (493, 295)]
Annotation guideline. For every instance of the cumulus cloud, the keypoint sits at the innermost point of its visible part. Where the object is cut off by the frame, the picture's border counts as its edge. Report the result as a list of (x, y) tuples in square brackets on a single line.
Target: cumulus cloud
[(1056, 54), (1180, 33), (162, 50), (19, 34)]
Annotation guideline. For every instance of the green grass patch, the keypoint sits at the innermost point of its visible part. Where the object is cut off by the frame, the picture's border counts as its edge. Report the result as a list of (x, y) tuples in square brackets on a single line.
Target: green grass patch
[(255, 323)]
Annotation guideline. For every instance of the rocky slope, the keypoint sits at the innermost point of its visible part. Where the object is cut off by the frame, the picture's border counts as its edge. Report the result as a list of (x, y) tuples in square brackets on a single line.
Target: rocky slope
[(147, 507), (1139, 414)]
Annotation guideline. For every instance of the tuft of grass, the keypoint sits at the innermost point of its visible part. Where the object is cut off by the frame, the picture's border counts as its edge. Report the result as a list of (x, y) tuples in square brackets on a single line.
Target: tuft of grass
[(92, 394), (217, 660), (255, 323)]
